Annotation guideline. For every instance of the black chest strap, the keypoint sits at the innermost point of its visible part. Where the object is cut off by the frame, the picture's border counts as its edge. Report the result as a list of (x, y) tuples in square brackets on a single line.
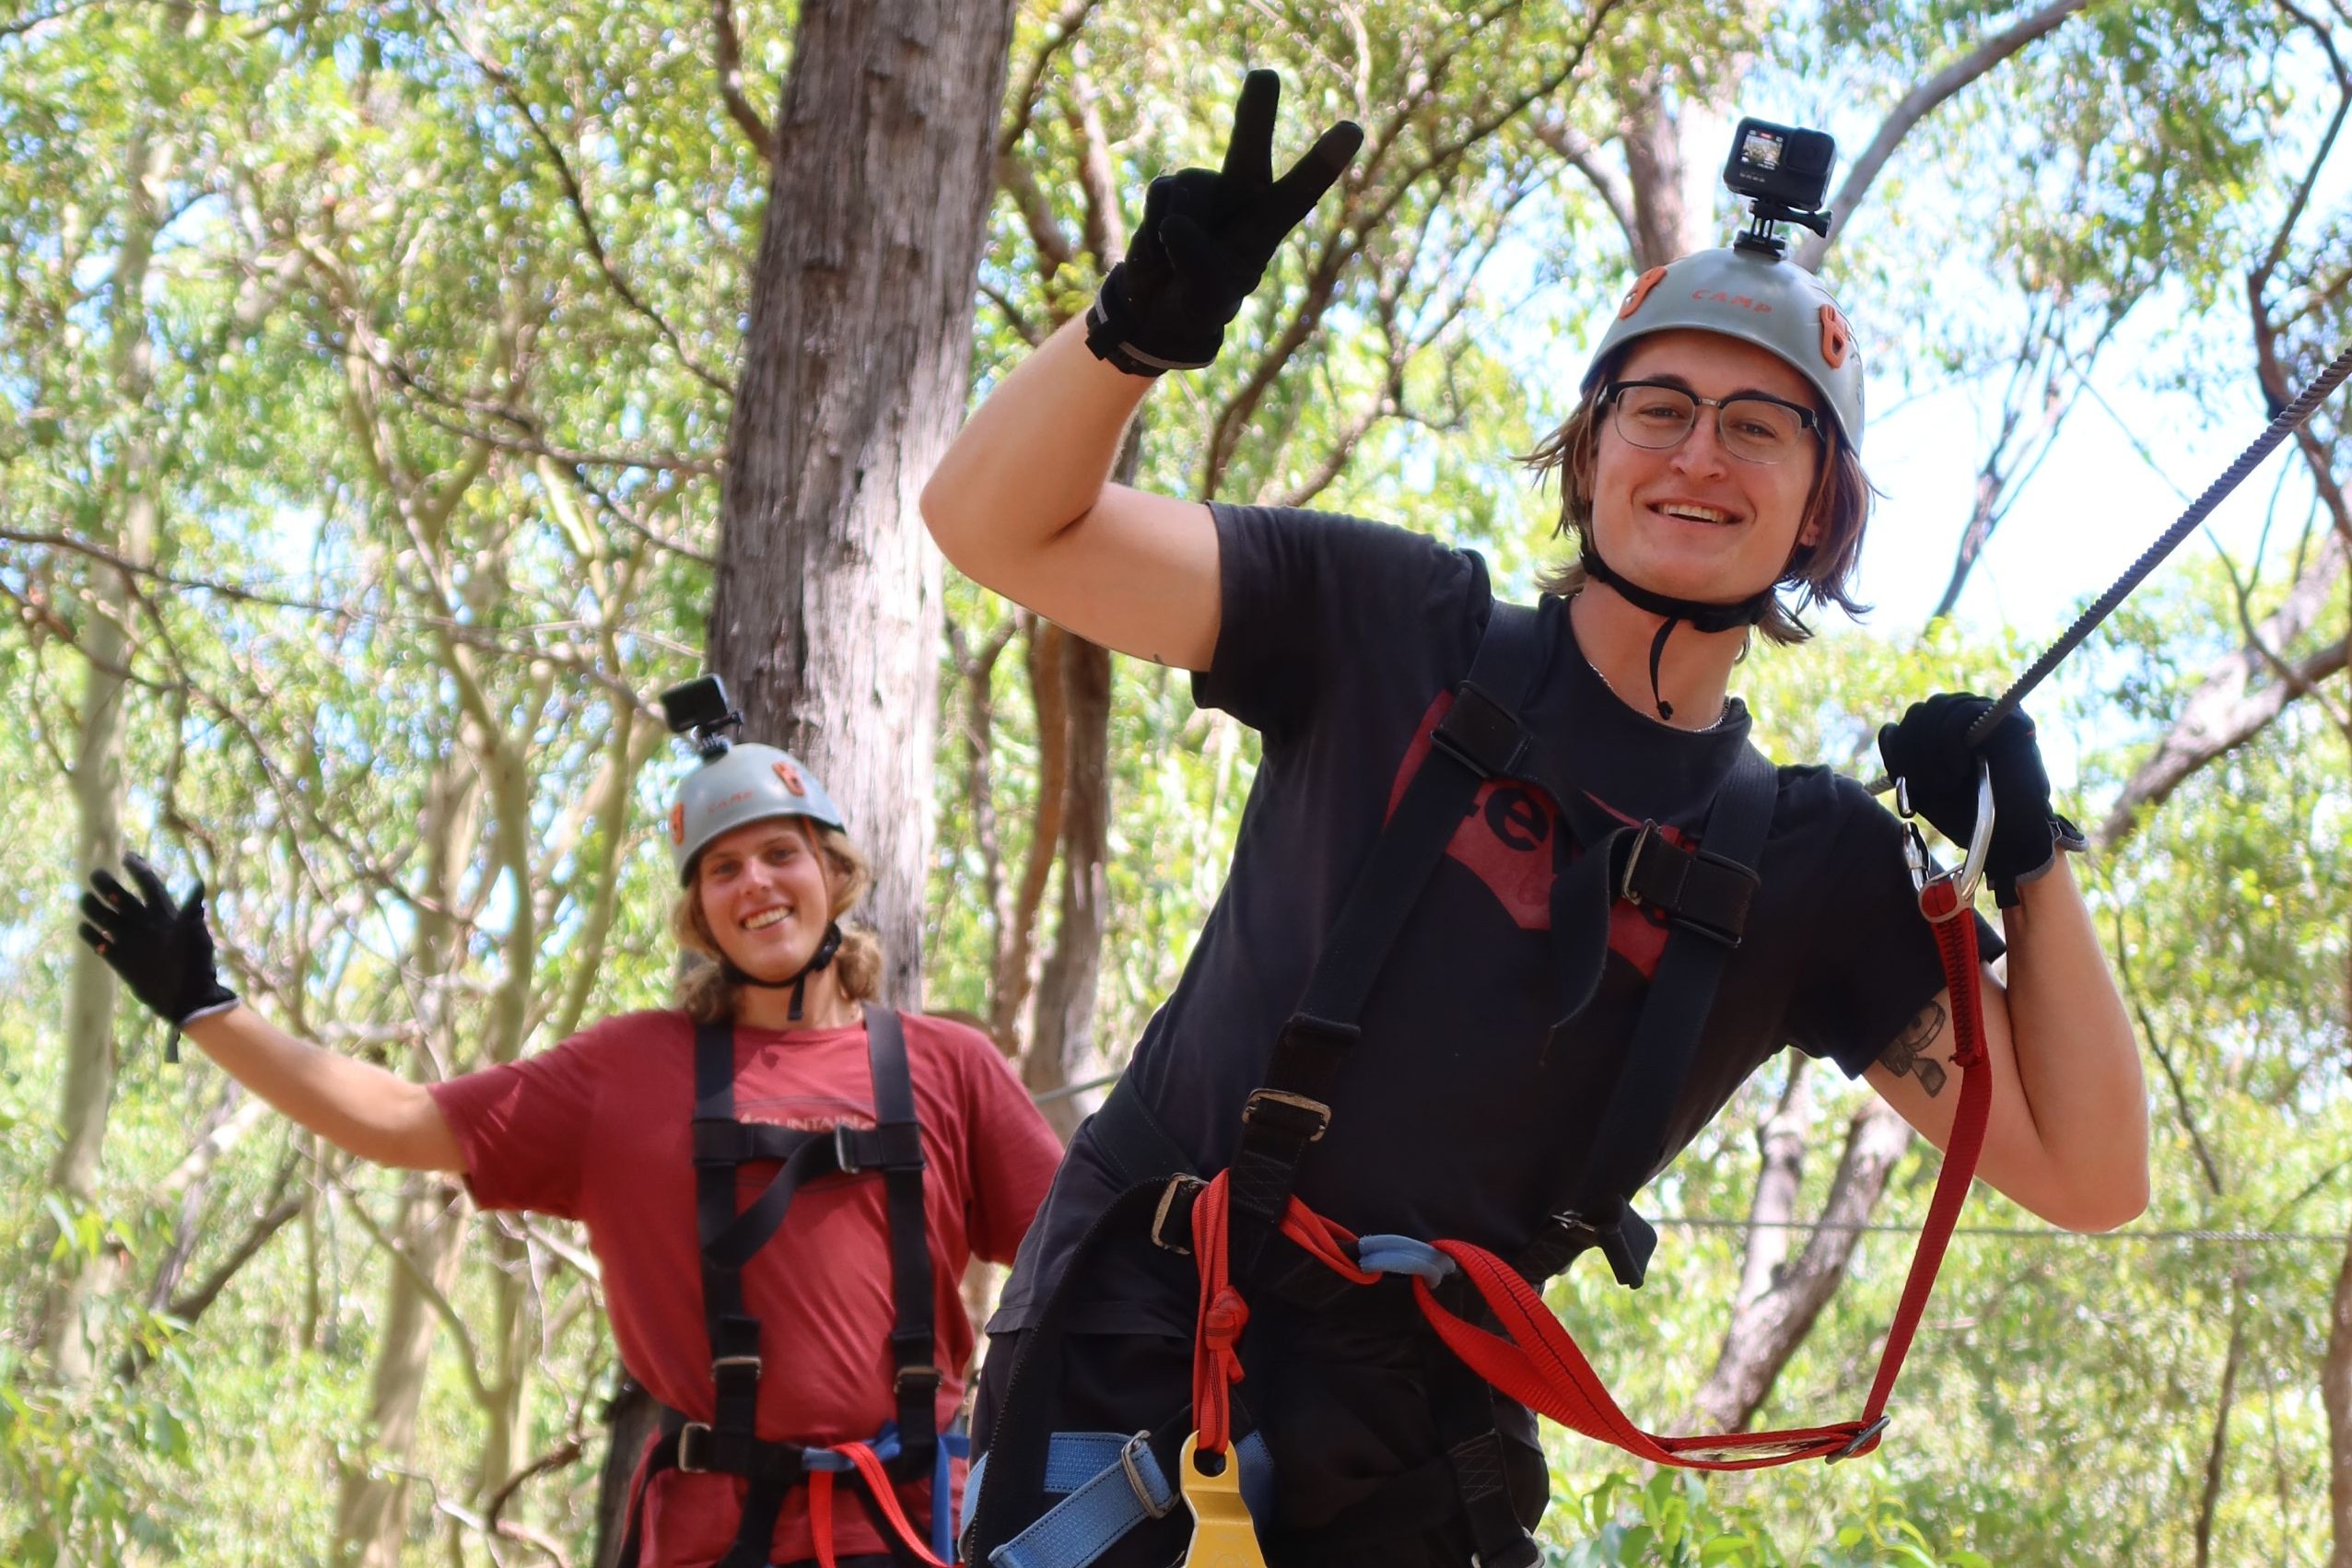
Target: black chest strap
[(1480, 738), (1708, 892), (730, 1238), (1703, 895)]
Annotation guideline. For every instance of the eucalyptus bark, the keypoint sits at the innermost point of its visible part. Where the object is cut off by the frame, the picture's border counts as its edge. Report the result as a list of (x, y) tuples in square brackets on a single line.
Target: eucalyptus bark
[(87, 1096), (1063, 1040), (855, 362)]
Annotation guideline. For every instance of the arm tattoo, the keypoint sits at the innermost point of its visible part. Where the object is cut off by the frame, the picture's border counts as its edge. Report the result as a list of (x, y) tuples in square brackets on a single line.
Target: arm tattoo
[(1908, 1054)]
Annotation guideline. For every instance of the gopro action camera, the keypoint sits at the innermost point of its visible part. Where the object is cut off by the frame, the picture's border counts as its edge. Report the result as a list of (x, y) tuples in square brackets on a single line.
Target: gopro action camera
[(1783, 170)]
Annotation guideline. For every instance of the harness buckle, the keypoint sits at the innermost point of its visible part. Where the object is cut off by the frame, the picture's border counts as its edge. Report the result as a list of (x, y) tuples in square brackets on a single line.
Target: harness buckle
[(1704, 893), (693, 1458), (1482, 735), (844, 1158), (1284, 1112), (1179, 1184), (1152, 1508), (1625, 888), (907, 1374)]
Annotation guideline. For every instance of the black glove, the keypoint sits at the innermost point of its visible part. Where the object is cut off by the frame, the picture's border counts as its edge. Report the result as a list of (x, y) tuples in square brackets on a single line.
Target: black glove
[(160, 949), (1205, 240), (1929, 750)]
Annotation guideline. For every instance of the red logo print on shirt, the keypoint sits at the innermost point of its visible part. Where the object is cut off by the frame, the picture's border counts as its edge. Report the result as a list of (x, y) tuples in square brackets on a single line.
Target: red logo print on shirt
[(1510, 840)]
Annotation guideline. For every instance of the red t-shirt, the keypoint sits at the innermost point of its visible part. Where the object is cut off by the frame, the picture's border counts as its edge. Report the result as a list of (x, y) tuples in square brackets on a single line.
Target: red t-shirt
[(595, 1130)]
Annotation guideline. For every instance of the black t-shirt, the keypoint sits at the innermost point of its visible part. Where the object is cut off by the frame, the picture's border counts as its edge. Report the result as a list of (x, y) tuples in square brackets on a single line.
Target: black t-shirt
[(1458, 1113)]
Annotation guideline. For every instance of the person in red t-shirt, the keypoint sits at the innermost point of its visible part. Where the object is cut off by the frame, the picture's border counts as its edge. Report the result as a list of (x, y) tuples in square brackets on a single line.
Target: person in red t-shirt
[(603, 1128)]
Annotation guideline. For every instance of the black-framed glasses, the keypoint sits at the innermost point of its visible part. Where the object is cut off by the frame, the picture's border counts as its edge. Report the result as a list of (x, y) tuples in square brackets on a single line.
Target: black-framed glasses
[(1658, 415)]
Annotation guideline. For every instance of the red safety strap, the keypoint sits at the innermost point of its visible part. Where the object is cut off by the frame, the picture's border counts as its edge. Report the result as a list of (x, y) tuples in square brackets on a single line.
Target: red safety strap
[(1537, 1363), (878, 1486)]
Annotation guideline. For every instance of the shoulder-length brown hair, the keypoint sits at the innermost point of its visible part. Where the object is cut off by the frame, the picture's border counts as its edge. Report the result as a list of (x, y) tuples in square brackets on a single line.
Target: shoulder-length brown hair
[(1820, 573), (707, 996)]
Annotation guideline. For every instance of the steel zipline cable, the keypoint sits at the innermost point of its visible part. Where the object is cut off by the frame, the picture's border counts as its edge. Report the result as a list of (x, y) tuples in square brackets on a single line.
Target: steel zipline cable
[(2288, 420)]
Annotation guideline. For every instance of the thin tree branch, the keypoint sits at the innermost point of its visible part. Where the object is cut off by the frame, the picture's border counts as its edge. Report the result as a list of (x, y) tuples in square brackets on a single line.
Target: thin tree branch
[(27, 24), (577, 197), (1022, 99), (468, 1355), (727, 47), (1915, 106), (1582, 154)]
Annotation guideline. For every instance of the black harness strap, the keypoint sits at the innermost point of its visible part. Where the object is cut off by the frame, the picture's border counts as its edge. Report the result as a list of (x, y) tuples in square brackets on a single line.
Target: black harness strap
[(1707, 893), (1480, 738), (730, 1441), (916, 1375)]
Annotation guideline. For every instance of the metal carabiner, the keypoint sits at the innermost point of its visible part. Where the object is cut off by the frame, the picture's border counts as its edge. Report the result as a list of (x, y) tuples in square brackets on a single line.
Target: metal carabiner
[(1971, 874)]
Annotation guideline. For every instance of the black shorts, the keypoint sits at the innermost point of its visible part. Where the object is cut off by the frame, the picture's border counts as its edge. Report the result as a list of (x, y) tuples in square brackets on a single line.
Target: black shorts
[(1342, 1397)]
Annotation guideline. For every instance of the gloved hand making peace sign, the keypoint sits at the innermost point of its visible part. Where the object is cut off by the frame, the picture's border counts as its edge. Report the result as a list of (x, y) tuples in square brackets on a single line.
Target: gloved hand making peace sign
[(160, 949), (1929, 750), (1205, 240)]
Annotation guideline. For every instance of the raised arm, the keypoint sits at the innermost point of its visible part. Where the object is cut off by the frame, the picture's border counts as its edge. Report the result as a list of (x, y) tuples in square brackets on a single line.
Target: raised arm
[(1021, 502), (164, 953)]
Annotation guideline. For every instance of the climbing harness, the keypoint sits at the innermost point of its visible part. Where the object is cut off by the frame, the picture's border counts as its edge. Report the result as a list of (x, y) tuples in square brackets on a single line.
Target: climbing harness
[(1248, 1233), (911, 1447)]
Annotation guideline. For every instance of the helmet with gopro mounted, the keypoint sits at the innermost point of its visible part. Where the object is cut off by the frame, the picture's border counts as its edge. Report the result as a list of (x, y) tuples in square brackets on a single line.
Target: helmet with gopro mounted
[(735, 784), (1749, 291), (1757, 298)]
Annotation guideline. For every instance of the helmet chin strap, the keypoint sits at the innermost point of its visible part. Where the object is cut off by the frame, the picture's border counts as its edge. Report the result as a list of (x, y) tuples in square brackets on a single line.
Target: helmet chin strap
[(798, 980), (1702, 615)]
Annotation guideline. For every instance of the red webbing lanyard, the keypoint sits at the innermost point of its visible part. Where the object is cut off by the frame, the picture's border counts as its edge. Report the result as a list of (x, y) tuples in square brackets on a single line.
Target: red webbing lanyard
[(877, 1479), (1536, 1362)]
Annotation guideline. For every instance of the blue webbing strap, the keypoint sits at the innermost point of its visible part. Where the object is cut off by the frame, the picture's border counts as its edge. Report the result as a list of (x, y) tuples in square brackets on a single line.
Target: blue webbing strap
[(1108, 1482)]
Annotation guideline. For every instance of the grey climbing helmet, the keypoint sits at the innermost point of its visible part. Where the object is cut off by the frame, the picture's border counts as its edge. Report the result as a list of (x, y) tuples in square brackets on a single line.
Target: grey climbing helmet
[(739, 784), (734, 784), (1748, 293)]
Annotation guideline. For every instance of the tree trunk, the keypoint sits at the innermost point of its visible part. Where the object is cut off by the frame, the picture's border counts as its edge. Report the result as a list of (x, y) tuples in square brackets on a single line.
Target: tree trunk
[(88, 1093), (2335, 1385), (429, 1231), (2335, 1394), (1768, 1324), (1063, 1042), (371, 1501), (2216, 1457), (856, 364)]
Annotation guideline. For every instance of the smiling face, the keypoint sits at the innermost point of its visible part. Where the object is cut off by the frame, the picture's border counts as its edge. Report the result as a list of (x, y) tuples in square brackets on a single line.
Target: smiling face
[(1695, 521), (766, 893)]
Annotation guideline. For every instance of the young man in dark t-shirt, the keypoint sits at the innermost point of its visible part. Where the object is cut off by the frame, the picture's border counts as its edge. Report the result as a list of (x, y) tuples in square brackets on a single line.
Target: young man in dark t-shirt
[(1711, 466)]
